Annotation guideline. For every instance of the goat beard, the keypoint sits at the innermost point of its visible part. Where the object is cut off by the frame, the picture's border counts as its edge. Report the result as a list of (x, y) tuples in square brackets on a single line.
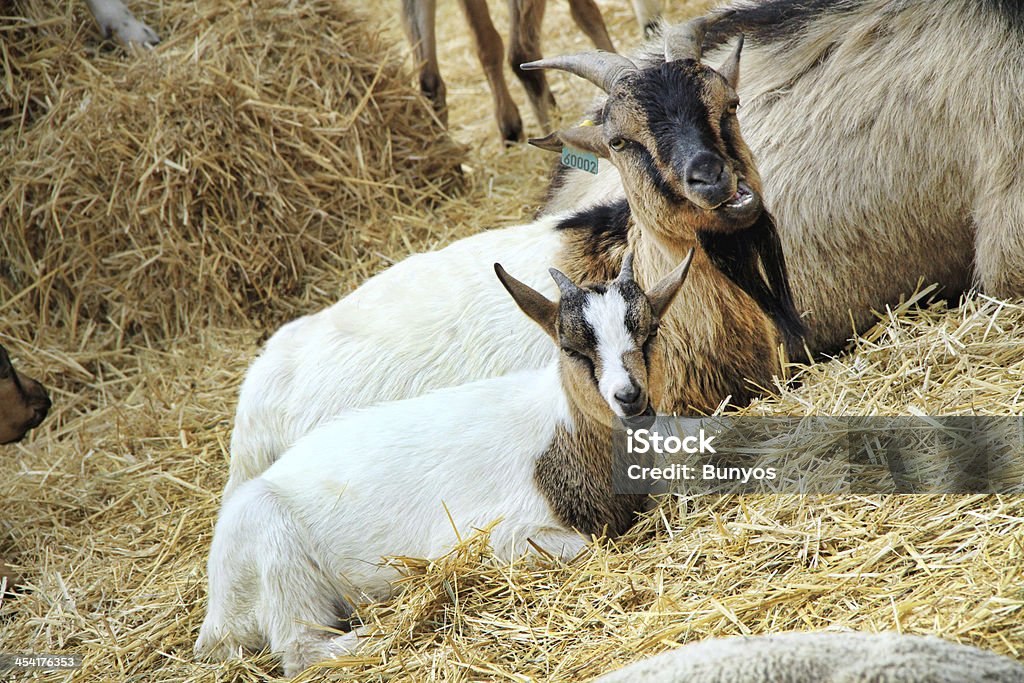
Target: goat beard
[(752, 258)]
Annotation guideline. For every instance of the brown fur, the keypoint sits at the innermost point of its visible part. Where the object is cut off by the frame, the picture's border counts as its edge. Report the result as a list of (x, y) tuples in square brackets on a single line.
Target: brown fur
[(23, 405), (716, 341), (575, 473), (23, 402), (889, 142), (525, 18)]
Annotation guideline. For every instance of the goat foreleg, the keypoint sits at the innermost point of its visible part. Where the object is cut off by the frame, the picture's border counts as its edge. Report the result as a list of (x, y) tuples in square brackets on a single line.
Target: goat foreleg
[(117, 21)]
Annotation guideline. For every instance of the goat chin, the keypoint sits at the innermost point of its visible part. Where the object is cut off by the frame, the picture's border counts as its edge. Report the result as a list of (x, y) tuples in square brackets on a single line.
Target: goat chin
[(284, 549), (433, 320)]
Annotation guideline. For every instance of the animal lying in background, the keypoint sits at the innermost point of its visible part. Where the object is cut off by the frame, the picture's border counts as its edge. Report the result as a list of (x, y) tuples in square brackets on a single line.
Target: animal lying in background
[(23, 402), (23, 406), (438, 319), (525, 16), (889, 144), (822, 658), (117, 21), (294, 547)]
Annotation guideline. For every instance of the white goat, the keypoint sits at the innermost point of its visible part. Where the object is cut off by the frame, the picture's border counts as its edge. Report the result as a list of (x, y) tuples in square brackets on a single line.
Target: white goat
[(117, 21), (439, 319), (297, 546), (822, 658)]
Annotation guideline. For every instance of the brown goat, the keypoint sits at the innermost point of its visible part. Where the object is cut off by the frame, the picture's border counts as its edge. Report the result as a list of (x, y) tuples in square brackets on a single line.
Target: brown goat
[(23, 406), (691, 183), (418, 18), (888, 134), (23, 402)]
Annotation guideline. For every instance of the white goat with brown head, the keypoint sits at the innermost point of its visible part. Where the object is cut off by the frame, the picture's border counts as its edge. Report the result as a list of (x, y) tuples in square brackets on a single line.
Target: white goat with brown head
[(295, 547)]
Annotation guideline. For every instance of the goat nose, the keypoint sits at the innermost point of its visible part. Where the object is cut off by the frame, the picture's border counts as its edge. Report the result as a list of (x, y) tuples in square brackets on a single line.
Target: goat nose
[(705, 169), (628, 395)]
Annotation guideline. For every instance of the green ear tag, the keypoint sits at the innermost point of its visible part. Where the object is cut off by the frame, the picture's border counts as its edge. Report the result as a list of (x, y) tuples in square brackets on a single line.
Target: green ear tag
[(584, 161)]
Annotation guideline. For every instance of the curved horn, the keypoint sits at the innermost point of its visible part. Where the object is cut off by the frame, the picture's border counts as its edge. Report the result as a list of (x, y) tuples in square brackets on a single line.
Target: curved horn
[(626, 273), (601, 68), (565, 285), (686, 41)]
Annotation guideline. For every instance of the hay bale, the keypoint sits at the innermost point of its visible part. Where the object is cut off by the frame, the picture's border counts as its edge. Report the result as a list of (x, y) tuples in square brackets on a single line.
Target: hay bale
[(210, 181)]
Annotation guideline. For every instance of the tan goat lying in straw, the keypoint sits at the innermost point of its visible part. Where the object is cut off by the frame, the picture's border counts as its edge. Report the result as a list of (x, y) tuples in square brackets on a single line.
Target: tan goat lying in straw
[(822, 658)]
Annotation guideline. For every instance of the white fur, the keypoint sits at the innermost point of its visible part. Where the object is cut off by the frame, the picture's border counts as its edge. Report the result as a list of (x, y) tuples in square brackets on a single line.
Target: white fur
[(115, 19), (606, 315), (384, 481), (433, 320)]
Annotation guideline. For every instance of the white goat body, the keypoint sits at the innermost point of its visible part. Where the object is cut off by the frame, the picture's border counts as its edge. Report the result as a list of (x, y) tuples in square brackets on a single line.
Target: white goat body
[(432, 320), (390, 480)]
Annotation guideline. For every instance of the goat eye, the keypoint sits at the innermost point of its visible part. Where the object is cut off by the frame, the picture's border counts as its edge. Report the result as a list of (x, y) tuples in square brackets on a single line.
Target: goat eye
[(618, 144), (731, 109)]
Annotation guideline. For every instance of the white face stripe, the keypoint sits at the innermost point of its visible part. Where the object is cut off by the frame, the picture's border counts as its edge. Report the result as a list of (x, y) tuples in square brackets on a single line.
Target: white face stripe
[(606, 314)]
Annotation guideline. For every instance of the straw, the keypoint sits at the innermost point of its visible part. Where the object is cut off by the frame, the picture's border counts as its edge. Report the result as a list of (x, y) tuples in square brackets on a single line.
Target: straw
[(164, 212)]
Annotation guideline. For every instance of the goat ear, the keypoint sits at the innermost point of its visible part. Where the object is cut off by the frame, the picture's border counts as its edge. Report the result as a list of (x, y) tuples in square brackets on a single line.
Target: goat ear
[(534, 304), (662, 294), (586, 138), (550, 142), (5, 364), (730, 69)]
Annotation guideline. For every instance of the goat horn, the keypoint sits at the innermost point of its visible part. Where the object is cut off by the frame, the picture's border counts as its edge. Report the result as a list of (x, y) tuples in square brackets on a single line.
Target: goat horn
[(686, 41), (565, 285), (603, 69), (626, 273)]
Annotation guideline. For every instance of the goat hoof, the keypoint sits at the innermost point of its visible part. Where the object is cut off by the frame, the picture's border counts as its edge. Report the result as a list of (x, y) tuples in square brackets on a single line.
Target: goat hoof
[(128, 31), (512, 133)]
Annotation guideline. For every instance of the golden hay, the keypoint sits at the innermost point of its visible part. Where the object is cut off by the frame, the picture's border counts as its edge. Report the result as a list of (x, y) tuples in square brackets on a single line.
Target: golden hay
[(212, 181), (108, 511)]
